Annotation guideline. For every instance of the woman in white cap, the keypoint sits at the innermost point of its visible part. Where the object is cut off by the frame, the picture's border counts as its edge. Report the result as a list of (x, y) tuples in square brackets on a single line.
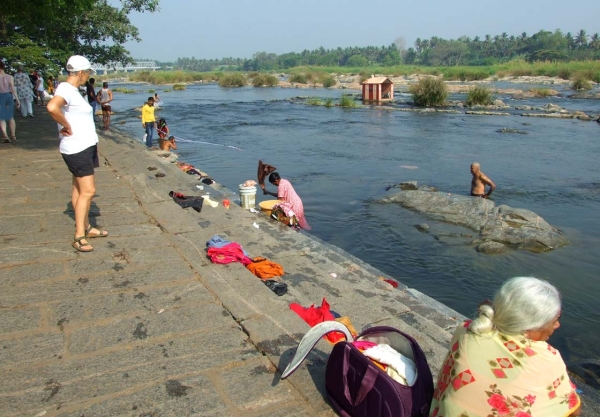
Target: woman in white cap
[(78, 146)]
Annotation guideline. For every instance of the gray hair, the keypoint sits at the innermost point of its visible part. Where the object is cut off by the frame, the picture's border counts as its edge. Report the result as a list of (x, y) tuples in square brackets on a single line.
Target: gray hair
[(521, 304)]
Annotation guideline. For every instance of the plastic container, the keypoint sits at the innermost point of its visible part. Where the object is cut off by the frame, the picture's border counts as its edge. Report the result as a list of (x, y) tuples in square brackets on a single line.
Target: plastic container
[(267, 206), (247, 196)]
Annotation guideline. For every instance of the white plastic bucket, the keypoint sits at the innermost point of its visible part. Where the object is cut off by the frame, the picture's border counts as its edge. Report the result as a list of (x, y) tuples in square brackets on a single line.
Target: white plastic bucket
[(247, 196)]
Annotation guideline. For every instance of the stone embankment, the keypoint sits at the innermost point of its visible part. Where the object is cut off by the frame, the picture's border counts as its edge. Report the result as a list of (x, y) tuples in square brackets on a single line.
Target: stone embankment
[(146, 324), (498, 228)]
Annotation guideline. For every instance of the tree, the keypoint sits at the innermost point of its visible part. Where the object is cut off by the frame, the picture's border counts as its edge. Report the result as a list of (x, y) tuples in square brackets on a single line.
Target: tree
[(581, 39), (447, 53), (47, 32), (400, 44)]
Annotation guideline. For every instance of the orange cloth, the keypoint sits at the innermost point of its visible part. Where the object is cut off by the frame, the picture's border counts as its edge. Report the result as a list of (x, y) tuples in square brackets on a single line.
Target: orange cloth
[(265, 269)]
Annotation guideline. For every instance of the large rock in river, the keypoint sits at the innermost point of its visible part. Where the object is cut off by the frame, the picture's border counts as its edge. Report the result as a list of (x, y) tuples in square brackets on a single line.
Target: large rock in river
[(517, 228)]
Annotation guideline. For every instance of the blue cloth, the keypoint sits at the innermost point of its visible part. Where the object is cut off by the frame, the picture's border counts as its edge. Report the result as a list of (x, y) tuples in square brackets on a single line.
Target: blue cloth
[(7, 106), (218, 242), (149, 133)]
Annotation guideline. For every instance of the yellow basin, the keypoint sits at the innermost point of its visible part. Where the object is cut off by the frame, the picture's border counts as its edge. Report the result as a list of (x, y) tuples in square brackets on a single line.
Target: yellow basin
[(267, 206)]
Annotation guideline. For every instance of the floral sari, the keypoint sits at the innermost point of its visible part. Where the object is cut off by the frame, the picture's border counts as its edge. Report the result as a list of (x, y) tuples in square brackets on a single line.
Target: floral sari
[(500, 375)]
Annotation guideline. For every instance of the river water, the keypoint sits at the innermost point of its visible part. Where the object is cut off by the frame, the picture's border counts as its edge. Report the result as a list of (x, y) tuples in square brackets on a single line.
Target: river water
[(341, 160)]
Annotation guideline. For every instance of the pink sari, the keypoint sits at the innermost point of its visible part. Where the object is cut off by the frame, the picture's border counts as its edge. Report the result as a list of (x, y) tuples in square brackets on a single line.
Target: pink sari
[(291, 204)]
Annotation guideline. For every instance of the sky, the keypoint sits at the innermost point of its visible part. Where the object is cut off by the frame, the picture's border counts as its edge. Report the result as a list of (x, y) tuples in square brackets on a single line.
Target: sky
[(239, 28)]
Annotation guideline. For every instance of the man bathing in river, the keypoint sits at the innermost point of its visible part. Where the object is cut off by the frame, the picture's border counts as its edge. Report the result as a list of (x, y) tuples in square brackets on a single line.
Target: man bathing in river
[(479, 181), (167, 144)]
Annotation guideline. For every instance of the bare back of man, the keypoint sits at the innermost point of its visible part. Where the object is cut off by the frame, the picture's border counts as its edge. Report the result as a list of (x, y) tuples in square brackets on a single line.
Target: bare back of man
[(167, 145), (479, 181)]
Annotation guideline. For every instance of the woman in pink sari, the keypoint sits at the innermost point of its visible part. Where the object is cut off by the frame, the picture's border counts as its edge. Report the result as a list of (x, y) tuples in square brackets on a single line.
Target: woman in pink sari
[(290, 210)]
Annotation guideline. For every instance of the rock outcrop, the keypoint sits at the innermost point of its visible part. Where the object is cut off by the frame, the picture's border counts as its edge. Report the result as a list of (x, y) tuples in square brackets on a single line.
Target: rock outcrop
[(497, 225)]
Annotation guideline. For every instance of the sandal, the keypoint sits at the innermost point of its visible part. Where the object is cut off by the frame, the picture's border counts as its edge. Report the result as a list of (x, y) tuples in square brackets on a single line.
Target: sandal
[(13, 138), (5, 139), (101, 233), (81, 246)]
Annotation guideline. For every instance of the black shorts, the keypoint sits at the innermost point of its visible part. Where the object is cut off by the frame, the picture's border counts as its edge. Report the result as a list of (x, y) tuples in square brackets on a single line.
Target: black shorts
[(82, 164), (106, 107)]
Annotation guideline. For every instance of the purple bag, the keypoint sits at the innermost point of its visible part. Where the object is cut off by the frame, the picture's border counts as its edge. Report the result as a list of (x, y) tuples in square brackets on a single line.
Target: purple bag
[(357, 387)]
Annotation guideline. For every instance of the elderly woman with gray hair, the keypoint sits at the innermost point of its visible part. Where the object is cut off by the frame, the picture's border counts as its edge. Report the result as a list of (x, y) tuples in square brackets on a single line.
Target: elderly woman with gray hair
[(500, 364)]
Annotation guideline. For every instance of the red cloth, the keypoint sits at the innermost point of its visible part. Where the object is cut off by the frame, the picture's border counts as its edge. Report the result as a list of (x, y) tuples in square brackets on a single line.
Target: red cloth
[(391, 282), (231, 252), (315, 315)]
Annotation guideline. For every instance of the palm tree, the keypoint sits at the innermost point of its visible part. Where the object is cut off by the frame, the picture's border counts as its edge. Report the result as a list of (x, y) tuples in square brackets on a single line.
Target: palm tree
[(595, 42), (581, 38), (418, 46)]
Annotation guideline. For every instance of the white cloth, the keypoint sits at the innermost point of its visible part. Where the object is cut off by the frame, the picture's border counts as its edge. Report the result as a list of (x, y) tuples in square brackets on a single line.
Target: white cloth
[(40, 86), (400, 368), (103, 96), (78, 113)]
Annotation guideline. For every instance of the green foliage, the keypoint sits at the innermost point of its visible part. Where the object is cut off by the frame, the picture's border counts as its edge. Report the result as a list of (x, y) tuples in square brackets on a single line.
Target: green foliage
[(328, 103), (58, 29), (429, 91), (541, 92), (151, 91), (166, 77), (465, 73), (581, 82), (123, 90), (364, 75), (233, 79), (179, 87), (328, 81), (314, 101), (347, 101), (479, 95), (267, 80), (298, 78), (167, 90)]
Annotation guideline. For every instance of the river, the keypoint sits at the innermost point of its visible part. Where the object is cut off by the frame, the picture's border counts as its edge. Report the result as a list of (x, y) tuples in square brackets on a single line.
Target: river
[(341, 160)]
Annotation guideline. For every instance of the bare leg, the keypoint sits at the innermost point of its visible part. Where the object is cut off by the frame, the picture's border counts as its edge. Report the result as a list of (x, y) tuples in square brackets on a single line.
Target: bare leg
[(13, 128), (3, 128), (84, 189)]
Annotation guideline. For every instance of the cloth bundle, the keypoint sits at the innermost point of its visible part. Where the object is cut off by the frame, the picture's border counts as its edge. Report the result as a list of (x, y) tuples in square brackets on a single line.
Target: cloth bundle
[(263, 171), (186, 201), (264, 268)]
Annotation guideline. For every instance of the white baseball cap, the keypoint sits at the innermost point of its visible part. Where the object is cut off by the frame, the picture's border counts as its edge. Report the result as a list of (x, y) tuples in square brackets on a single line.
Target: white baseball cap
[(78, 63)]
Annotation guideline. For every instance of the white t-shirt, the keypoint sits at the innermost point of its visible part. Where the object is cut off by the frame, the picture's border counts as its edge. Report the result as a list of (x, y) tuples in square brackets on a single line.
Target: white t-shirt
[(40, 87), (78, 113)]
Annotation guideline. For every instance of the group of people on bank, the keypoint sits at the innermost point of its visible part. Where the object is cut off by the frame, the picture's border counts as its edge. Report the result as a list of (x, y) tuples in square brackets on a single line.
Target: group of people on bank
[(103, 97), (22, 91), (499, 364)]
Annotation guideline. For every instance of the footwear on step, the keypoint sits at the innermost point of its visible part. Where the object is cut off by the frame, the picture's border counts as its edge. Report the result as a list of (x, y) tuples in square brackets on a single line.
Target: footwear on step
[(31, 115), (81, 247), (99, 233), (13, 138)]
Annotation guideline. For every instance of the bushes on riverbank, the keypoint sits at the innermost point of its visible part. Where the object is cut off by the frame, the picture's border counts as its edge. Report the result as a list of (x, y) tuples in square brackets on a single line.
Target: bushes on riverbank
[(479, 95), (233, 79), (581, 82), (267, 80), (429, 91), (347, 101), (542, 92)]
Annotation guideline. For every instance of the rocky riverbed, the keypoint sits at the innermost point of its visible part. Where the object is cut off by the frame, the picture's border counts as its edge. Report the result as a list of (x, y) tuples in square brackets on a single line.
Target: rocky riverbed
[(499, 228)]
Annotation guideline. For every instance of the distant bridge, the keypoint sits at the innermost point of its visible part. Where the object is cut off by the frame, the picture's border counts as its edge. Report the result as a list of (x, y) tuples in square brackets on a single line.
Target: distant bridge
[(135, 66)]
